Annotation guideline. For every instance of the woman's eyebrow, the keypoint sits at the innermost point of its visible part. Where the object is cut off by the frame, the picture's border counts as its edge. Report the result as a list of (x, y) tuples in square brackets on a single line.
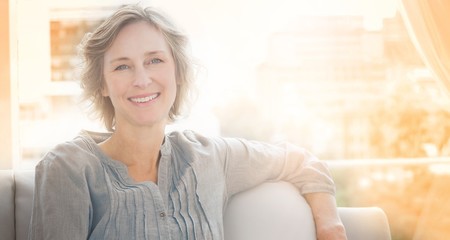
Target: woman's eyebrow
[(118, 59), (149, 53)]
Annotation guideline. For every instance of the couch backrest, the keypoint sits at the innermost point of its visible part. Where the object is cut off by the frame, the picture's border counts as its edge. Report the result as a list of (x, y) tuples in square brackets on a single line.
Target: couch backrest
[(7, 205), (16, 200), (24, 181), (278, 211), (273, 210)]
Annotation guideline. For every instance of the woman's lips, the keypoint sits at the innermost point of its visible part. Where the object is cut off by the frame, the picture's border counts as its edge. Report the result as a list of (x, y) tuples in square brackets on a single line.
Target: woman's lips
[(144, 99)]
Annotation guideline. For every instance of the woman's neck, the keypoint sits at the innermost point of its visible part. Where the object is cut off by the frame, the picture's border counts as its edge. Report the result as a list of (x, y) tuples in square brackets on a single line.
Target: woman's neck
[(139, 149)]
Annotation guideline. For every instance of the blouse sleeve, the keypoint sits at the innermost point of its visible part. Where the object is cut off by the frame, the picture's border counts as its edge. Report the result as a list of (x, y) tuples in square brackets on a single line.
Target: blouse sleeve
[(61, 207), (249, 163)]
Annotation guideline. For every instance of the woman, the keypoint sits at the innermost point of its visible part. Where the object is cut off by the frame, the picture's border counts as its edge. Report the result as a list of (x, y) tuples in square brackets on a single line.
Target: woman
[(136, 182)]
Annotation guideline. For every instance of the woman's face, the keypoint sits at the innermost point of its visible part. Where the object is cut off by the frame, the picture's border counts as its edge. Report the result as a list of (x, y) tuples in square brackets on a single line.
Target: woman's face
[(139, 73)]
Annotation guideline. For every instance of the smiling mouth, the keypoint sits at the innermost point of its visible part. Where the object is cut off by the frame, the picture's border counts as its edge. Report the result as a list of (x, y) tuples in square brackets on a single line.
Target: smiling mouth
[(144, 99)]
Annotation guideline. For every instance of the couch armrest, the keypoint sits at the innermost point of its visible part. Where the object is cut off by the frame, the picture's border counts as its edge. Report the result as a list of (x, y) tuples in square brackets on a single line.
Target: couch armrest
[(274, 211), (7, 229), (368, 223)]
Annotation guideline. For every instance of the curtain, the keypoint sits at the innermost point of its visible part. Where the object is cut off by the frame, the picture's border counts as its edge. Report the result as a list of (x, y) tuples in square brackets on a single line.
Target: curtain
[(428, 23)]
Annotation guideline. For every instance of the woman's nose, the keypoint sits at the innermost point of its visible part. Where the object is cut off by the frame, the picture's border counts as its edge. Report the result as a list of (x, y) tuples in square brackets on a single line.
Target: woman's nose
[(142, 77)]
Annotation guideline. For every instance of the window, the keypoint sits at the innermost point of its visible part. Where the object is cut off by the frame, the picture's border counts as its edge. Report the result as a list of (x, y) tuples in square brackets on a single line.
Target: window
[(344, 80)]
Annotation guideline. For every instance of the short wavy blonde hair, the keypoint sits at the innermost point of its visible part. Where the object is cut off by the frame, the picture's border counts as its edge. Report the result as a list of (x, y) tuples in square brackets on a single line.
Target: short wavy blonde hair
[(94, 45)]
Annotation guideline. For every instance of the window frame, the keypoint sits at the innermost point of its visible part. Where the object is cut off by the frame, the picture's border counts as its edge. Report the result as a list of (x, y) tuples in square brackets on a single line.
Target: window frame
[(9, 140)]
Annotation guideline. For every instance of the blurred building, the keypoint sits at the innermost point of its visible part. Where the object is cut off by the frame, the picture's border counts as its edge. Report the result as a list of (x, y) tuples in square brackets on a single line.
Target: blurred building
[(325, 72), (318, 81), (49, 99)]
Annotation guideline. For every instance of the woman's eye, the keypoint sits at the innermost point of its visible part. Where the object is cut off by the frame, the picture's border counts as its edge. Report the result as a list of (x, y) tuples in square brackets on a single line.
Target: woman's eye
[(121, 67), (155, 60)]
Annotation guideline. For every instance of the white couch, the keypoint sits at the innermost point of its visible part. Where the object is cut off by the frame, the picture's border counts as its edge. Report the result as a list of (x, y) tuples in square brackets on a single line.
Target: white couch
[(271, 211)]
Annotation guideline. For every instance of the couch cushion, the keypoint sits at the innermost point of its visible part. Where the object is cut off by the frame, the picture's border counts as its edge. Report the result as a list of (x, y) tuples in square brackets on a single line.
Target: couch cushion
[(7, 205), (24, 201)]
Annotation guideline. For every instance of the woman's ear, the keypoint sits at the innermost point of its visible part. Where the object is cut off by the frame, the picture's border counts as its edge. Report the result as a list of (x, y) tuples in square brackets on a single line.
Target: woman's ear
[(104, 91)]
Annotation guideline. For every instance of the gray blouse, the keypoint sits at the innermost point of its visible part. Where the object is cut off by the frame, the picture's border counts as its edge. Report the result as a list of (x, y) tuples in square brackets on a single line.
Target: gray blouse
[(81, 193)]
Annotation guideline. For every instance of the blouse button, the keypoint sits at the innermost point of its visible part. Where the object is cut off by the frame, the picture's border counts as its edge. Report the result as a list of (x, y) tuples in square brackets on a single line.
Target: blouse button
[(162, 214)]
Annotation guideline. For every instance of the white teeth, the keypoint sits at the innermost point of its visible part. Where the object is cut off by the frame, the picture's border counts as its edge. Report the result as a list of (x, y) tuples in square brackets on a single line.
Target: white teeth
[(144, 99)]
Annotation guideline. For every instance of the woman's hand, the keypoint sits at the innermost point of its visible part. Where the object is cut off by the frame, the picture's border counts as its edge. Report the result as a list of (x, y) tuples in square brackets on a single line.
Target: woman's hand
[(330, 230), (328, 224)]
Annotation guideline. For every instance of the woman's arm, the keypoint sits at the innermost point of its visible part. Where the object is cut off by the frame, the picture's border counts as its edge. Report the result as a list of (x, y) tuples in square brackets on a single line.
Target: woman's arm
[(251, 163), (61, 206), (326, 218)]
